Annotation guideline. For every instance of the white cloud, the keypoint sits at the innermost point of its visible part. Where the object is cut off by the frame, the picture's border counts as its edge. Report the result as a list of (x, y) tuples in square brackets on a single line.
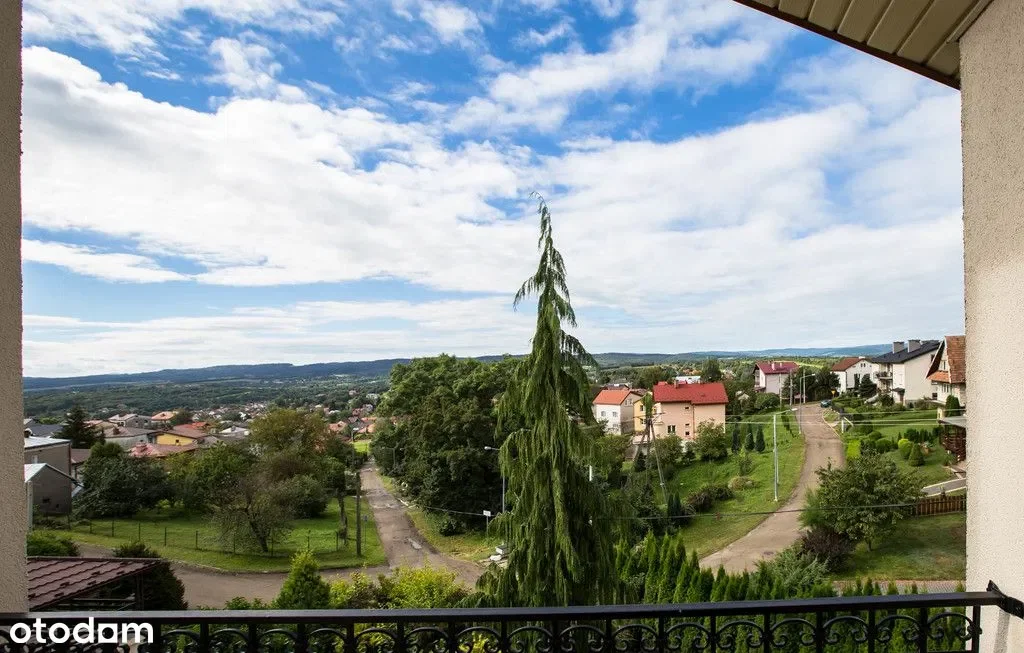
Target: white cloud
[(110, 266), (130, 26), (560, 30), (451, 21), (245, 65)]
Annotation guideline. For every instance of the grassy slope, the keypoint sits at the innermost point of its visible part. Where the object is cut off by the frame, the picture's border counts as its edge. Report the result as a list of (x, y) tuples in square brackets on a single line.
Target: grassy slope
[(707, 534), (181, 540), (921, 548)]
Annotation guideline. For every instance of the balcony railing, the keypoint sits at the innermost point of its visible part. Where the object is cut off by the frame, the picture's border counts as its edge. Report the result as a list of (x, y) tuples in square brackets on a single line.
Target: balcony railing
[(884, 376), (928, 623)]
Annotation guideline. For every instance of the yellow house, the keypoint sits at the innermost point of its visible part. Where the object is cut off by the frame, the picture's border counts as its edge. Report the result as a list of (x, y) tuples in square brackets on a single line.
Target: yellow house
[(679, 408), (180, 436)]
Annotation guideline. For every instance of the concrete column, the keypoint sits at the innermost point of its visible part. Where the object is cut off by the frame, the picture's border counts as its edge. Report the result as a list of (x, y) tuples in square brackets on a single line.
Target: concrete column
[(992, 71), (12, 487)]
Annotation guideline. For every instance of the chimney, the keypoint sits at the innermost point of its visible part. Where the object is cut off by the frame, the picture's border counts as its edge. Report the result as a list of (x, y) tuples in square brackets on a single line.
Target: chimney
[(913, 344), (898, 346)]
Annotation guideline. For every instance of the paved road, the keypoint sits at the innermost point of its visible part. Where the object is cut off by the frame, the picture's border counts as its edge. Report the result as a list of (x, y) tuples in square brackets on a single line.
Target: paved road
[(780, 530)]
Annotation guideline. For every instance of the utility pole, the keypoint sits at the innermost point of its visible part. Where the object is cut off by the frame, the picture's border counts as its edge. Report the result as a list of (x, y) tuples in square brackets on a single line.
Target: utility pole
[(359, 518), (775, 445), (502, 471)]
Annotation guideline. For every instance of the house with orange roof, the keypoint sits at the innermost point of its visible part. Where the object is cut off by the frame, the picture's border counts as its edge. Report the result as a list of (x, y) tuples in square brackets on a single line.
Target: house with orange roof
[(948, 371), (850, 371), (614, 407), (679, 408)]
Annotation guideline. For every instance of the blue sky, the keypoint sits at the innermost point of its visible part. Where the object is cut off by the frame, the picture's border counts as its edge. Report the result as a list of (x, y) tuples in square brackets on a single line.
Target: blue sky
[(232, 181)]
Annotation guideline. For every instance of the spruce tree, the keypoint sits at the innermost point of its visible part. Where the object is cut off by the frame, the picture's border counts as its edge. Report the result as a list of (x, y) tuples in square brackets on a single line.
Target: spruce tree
[(81, 434), (736, 438), (561, 554), (304, 589), (748, 443), (759, 443)]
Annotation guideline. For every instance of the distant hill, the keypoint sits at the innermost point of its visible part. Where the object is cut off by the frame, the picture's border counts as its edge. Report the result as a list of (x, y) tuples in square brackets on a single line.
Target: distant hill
[(381, 368)]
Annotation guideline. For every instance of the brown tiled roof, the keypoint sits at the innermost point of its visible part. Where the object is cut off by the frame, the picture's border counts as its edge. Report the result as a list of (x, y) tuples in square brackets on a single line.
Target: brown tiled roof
[(612, 397), (694, 393), (954, 348), (845, 364), (53, 580)]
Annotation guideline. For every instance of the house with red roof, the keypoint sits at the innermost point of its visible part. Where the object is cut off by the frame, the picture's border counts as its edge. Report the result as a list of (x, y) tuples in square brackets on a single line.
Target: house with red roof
[(679, 408), (850, 371), (770, 375), (948, 371), (614, 407)]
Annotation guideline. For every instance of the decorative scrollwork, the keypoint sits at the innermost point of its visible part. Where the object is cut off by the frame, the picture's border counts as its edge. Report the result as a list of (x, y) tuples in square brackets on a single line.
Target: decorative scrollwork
[(376, 640), (857, 630), (635, 638), (885, 629), (729, 635), (479, 639), (699, 637), (592, 638), (180, 640), (958, 628), (796, 629), (327, 640), (426, 639), (531, 638), (228, 640)]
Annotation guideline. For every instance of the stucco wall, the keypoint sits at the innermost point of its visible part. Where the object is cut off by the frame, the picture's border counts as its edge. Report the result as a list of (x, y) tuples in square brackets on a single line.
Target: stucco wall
[(992, 65), (12, 490), (57, 456)]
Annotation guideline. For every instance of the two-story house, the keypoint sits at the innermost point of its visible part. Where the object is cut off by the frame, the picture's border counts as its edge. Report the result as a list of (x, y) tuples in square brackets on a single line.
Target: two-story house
[(948, 371), (679, 408), (850, 371), (770, 375), (131, 421), (162, 419), (47, 475), (614, 407), (903, 373)]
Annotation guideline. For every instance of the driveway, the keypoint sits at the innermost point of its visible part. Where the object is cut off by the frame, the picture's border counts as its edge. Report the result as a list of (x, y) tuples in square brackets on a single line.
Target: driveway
[(781, 529)]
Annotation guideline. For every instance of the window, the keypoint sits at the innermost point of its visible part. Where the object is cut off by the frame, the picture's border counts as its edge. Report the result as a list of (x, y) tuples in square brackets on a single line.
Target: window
[(687, 434), (615, 413), (603, 414), (686, 408), (671, 429)]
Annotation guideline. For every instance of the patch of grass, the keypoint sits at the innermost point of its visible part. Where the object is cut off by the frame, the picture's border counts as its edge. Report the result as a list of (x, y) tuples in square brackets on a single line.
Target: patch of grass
[(193, 539), (362, 446), (919, 548), (708, 533), (472, 545), (932, 471)]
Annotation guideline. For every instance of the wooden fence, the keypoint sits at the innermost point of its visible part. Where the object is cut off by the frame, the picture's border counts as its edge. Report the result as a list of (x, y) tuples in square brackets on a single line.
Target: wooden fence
[(940, 505)]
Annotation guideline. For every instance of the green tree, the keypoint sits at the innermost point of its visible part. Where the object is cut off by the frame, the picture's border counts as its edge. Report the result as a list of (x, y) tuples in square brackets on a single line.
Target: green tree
[(284, 428), (736, 443), (304, 589), (865, 499), (866, 388), (916, 457), (257, 514), (710, 371), (825, 382), (119, 485), (201, 479), (48, 543), (759, 441), (952, 406), (711, 442), (81, 434), (161, 589), (748, 442), (181, 417), (560, 555)]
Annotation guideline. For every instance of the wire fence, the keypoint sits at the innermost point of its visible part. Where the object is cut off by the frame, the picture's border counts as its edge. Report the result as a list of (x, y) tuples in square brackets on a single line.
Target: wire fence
[(152, 533)]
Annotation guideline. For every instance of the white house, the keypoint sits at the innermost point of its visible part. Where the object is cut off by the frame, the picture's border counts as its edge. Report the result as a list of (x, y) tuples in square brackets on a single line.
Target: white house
[(131, 421), (948, 371), (903, 373), (614, 407), (770, 375), (850, 371)]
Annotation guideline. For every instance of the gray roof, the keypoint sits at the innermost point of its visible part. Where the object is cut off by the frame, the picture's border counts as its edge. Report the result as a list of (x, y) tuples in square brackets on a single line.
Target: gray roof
[(127, 432), (43, 430), (905, 355), (32, 442)]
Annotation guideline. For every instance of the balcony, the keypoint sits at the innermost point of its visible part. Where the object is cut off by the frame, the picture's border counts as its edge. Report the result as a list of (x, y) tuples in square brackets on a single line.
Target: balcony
[(937, 623), (884, 376)]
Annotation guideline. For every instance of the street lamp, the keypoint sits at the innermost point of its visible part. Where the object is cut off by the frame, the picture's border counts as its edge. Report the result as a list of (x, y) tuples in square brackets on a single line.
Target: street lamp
[(489, 448)]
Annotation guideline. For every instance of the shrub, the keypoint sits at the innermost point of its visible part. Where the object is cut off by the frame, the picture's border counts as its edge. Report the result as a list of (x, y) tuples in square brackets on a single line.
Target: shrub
[(916, 458), (711, 442), (162, 590), (759, 441), (700, 500), (794, 574), (451, 526), (829, 547), (875, 435), (952, 406), (885, 445), (744, 464), (46, 543), (904, 446), (737, 483), (305, 494), (304, 589)]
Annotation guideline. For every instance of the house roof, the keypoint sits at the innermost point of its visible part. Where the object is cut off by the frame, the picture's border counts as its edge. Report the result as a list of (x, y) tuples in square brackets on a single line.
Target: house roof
[(54, 580), (34, 469), (79, 456), (955, 349), (694, 393), (43, 430), (919, 36), (846, 363), (186, 432), (613, 396), (927, 346), (127, 432), (776, 367), (147, 450), (163, 416), (32, 442)]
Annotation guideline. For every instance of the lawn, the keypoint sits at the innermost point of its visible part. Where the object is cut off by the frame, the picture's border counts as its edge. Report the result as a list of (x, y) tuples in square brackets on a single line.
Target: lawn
[(362, 446), (472, 545), (708, 533), (891, 426), (194, 540), (919, 548)]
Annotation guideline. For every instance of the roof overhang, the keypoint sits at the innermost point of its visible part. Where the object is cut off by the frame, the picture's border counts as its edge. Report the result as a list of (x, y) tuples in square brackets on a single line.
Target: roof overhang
[(919, 35)]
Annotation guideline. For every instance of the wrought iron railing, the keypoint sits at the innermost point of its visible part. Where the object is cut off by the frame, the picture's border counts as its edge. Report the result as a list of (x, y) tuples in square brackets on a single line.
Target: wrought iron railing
[(927, 623)]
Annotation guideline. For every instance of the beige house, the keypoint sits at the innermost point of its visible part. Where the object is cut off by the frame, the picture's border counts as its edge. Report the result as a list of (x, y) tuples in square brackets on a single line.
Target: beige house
[(948, 371), (615, 408), (769, 376), (903, 373), (679, 408)]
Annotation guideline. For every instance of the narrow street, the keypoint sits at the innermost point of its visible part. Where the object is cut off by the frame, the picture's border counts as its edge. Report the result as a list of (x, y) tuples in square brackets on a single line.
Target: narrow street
[(780, 530)]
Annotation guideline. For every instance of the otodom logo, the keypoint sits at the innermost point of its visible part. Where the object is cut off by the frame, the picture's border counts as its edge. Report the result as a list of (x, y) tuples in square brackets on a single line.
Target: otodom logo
[(85, 632)]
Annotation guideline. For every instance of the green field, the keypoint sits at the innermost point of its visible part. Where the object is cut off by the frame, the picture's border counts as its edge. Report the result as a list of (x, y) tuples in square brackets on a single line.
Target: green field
[(708, 533), (919, 548), (362, 446), (194, 540)]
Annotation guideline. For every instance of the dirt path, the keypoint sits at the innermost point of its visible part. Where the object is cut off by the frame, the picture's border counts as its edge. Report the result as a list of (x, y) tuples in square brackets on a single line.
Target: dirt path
[(821, 444), (403, 544)]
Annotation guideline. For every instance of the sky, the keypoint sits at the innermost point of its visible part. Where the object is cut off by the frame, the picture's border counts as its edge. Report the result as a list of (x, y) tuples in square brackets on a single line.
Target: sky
[(247, 181)]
